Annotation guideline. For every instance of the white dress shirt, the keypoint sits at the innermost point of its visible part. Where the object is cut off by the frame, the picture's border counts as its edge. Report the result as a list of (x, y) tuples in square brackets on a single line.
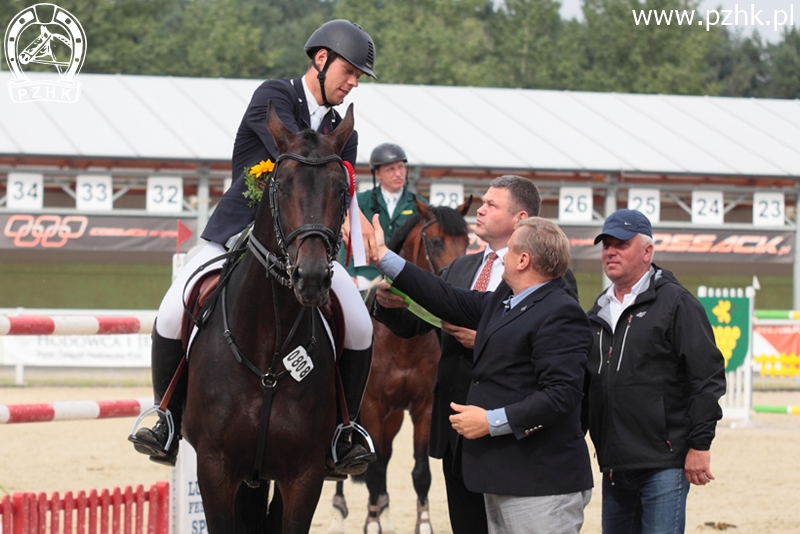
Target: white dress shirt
[(315, 111), (496, 276)]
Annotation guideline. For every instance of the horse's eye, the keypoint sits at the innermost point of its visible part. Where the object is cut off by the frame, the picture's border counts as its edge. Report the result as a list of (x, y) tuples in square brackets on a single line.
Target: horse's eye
[(437, 241), (280, 187)]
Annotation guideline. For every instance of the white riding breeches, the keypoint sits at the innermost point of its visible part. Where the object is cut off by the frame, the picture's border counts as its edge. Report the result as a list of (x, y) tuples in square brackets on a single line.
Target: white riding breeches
[(358, 325)]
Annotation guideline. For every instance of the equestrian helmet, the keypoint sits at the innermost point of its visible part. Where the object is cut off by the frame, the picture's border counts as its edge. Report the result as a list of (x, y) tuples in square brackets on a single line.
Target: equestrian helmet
[(386, 153), (346, 39)]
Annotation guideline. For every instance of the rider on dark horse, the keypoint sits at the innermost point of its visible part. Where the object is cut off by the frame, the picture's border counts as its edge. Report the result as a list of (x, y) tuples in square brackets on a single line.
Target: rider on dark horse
[(388, 197), (340, 52)]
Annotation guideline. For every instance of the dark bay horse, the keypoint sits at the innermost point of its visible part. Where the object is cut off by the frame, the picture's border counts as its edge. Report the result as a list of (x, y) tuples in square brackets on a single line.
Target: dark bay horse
[(404, 370), (249, 362)]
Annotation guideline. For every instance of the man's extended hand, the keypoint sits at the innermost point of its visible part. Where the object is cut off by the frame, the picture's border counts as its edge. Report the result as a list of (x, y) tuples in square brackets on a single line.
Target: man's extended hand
[(698, 467), (469, 421), (380, 247), (368, 234), (387, 299), (465, 336)]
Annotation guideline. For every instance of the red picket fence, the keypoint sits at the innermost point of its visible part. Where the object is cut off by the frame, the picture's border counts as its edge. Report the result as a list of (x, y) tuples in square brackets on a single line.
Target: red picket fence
[(115, 512)]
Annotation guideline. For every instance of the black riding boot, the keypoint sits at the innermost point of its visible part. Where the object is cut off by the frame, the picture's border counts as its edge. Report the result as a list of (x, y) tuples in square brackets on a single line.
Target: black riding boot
[(352, 456), (165, 357)]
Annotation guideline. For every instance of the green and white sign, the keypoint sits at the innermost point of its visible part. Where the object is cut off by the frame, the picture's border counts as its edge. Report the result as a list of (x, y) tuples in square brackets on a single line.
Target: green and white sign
[(730, 319)]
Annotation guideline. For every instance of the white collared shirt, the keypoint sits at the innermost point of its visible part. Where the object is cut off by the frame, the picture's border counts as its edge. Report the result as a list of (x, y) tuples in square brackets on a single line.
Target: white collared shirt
[(496, 276), (391, 199), (612, 308), (315, 111)]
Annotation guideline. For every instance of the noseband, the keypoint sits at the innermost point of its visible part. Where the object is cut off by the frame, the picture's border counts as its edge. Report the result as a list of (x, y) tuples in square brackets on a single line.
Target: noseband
[(281, 266)]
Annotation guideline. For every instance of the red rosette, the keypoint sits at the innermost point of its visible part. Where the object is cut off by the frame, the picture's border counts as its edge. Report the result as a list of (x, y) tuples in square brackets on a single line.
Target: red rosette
[(351, 172)]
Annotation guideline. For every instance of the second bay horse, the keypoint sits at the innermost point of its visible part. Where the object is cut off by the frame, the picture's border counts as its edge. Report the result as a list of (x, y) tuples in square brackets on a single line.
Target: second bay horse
[(404, 371)]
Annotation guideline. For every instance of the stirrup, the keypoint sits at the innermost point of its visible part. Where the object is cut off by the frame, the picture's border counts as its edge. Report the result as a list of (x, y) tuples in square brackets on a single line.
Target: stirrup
[(340, 428), (166, 414)]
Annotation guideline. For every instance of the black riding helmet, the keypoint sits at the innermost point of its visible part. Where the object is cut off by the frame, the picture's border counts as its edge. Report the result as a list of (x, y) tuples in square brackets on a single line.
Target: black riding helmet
[(386, 153), (381, 155), (346, 39)]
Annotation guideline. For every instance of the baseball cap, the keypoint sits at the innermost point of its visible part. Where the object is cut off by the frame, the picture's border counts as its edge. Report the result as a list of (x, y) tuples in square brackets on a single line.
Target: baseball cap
[(624, 224)]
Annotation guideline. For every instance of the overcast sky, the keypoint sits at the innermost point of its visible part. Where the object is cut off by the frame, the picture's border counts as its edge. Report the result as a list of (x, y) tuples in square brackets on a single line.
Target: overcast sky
[(572, 8)]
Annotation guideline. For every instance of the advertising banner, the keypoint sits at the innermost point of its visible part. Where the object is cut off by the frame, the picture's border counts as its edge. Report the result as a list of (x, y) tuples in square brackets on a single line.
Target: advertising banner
[(38, 231)]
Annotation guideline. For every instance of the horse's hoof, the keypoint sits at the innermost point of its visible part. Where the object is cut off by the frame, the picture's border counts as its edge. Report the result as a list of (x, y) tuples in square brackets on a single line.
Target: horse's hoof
[(337, 522), (423, 525), (372, 527)]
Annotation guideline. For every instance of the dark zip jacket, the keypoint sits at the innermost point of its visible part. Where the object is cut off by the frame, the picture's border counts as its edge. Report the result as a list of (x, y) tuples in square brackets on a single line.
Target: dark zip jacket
[(654, 384)]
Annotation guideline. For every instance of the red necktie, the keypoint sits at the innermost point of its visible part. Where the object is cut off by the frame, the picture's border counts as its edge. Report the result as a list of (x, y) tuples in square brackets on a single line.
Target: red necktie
[(483, 279)]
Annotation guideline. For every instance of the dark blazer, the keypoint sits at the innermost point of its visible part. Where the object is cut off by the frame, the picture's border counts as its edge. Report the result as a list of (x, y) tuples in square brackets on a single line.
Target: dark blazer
[(453, 375), (530, 361), (254, 143)]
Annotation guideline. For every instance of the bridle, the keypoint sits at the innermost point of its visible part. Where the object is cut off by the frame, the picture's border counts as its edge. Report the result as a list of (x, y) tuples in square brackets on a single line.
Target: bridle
[(426, 246), (280, 266)]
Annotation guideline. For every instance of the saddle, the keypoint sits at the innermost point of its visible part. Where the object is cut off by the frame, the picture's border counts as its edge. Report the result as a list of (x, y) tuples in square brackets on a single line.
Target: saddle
[(205, 286)]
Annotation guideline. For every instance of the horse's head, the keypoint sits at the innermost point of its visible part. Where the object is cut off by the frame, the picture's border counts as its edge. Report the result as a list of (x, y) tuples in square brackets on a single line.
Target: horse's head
[(434, 236), (308, 194)]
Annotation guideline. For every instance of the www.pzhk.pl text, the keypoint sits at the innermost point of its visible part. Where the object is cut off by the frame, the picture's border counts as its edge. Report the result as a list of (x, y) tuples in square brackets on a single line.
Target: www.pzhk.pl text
[(723, 17)]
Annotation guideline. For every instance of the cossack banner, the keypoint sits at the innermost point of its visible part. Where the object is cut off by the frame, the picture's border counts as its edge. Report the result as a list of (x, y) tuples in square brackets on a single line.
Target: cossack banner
[(22, 231), (736, 246)]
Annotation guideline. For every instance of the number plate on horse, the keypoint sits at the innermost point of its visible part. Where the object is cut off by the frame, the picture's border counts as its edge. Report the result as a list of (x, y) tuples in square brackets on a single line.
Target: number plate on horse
[(298, 363)]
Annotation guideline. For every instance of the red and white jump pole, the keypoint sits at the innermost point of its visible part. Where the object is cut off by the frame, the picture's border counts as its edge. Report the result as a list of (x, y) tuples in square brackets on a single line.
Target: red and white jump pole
[(73, 410), (37, 325)]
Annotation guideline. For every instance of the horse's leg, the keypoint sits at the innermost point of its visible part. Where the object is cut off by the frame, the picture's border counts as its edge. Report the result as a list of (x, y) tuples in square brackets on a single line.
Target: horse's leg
[(274, 524), (339, 510), (300, 494), (251, 508), (421, 474), (378, 507), (218, 493)]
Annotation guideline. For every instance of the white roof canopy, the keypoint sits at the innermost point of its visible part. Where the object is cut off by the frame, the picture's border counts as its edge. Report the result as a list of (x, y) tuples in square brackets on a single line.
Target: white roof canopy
[(195, 119)]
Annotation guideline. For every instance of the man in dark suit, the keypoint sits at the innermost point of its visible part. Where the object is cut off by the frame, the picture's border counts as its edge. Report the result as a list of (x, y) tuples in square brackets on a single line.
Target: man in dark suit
[(508, 200), (340, 52), (524, 447)]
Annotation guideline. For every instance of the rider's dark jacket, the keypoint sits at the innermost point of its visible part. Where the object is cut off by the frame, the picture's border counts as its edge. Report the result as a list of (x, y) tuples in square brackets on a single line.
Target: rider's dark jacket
[(654, 384), (254, 144)]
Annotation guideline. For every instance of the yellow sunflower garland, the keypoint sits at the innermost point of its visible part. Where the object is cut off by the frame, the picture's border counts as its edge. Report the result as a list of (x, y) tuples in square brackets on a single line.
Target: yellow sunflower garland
[(255, 179)]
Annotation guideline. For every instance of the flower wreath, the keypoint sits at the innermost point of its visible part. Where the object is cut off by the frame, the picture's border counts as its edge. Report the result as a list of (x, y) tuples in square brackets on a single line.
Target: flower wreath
[(255, 179)]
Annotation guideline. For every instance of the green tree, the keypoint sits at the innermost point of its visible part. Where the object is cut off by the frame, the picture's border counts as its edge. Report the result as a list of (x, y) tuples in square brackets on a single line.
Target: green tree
[(785, 66), (527, 45), (438, 42), (626, 57)]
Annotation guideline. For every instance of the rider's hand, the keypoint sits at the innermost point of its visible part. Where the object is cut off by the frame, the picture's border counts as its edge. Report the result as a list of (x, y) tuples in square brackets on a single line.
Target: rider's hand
[(465, 336), (387, 299), (380, 247)]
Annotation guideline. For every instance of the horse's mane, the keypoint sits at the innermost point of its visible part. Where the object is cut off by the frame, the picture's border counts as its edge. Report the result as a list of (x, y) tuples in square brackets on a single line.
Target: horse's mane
[(451, 221)]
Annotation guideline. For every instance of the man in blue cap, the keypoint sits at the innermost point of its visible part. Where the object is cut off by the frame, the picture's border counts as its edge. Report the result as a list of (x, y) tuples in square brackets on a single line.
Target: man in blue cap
[(654, 378)]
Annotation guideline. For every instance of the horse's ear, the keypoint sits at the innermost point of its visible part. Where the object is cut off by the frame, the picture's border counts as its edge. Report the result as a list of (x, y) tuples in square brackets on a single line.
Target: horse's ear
[(463, 209), (422, 208), (280, 133), (341, 134)]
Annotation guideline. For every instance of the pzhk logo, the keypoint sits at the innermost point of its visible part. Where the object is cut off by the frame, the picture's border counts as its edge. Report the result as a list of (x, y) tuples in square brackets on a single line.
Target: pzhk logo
[(49, 231), (45, 34)]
